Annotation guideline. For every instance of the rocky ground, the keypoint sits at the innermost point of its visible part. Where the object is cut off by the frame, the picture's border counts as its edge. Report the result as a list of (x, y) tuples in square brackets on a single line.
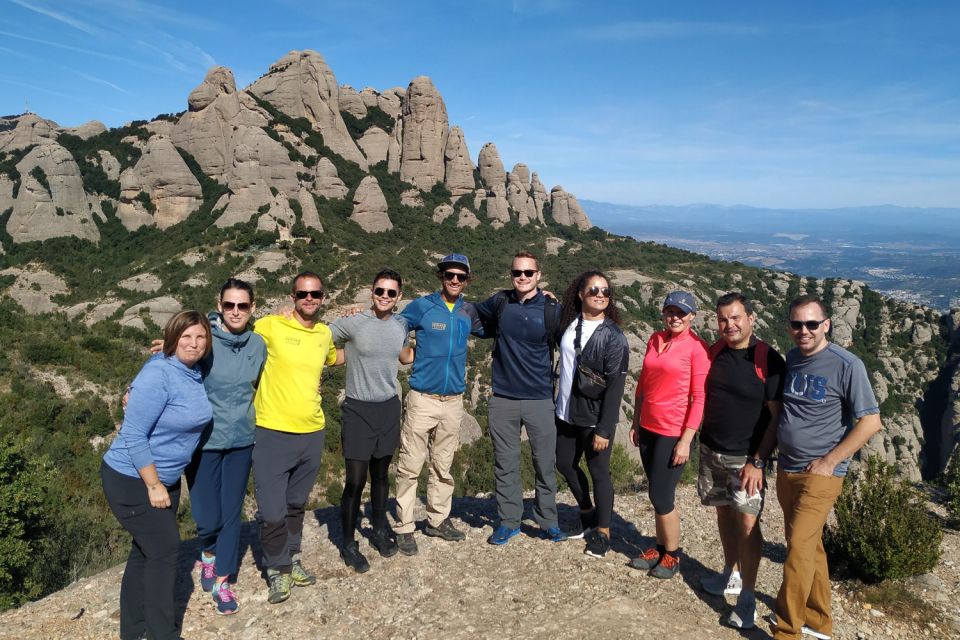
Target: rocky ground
[(529, 588)]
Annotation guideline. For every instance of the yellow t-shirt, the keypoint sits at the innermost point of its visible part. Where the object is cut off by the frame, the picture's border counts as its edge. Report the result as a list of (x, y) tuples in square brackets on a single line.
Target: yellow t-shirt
[(288, 397)]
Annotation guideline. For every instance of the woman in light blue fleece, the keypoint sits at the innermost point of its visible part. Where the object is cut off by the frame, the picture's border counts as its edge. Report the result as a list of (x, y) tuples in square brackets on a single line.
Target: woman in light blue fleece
[(165, 415), (218, 474)]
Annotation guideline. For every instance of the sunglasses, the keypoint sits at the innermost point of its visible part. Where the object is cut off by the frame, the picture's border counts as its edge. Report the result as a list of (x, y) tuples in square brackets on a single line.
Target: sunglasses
[(811, 325), (599, 291), (380, 291), (451, 276), (239, 306), (302, 295), (516, 273)]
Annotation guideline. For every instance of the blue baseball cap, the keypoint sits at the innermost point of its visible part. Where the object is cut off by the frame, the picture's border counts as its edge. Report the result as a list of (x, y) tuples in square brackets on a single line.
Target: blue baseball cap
[(454, 260), (681, 300)]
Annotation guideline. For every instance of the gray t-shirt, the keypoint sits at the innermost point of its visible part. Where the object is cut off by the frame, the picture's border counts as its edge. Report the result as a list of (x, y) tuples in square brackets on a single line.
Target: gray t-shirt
[(372, 350), (823, 396)]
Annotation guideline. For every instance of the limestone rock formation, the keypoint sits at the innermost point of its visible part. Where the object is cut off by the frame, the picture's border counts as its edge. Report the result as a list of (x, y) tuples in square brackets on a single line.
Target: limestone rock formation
[(88, 129), (491, 167), (162, 174), (458, 168), (375, 143), (424, 134), (566, 210), (370, 207), (51, 201), (539, 194), (33, 287), (518, 195), (467, 218), (109, 164), (498, 209), (302, 85), (351, 102), (395, 150), (326, 182), (442, 212), (159, 310), (30, 129), (411, 198), (145, 282)]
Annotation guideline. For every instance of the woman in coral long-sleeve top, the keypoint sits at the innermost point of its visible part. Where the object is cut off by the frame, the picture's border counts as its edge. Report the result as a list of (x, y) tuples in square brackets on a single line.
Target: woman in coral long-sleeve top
[(667, 414)]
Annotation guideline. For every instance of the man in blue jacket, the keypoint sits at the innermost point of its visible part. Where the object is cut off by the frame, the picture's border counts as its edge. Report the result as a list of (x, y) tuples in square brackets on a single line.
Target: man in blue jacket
[(434, 405)]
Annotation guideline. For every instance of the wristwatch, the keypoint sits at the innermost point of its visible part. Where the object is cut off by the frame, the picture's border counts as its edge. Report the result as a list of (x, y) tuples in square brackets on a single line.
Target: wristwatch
[(758, 463)]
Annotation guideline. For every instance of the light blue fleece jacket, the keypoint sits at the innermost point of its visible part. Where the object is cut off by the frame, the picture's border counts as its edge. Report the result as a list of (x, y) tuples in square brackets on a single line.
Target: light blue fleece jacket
[(167, 410), (230, 375)]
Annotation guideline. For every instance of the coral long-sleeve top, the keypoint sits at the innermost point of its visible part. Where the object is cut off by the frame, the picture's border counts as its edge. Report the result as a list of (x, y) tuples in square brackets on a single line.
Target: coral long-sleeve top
[(672, 383)]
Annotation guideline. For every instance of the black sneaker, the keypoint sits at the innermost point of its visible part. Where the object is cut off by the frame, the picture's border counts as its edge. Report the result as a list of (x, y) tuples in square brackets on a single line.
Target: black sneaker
[(407, 544), (382, 541), (598, 543), (587, 523), (445, 530), (350, 552)]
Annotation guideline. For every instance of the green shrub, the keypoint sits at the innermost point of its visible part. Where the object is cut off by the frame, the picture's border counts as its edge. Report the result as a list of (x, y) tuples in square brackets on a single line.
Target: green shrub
[(41, 177), (883, 529), (951, 482)]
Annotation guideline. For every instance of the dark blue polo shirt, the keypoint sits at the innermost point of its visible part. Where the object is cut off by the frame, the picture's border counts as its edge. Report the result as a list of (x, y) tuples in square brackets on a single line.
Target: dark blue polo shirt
[(521, 359)]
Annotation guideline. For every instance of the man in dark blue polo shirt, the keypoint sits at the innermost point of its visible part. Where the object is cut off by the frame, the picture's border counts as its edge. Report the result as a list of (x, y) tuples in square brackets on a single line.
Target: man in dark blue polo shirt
[(522, 395)]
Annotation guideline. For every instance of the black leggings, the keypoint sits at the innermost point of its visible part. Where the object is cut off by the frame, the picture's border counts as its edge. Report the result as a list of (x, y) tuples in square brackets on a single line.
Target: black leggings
[(656, 452), (356, 479), (573, 443)]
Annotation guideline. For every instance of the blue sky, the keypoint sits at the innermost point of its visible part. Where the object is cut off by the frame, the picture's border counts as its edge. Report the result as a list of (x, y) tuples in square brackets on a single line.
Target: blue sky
[(764, 103)]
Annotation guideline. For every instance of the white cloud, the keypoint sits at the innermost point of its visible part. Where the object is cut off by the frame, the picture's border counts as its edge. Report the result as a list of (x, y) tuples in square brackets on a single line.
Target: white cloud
[(667, 29), (59, 17)]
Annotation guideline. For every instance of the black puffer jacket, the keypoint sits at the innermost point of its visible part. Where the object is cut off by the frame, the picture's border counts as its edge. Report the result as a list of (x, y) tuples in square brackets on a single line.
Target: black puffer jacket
[(608, 353)]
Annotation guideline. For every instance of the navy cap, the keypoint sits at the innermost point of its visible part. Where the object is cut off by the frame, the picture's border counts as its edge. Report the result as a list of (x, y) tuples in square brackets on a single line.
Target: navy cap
[(682, 300), (454, 260)]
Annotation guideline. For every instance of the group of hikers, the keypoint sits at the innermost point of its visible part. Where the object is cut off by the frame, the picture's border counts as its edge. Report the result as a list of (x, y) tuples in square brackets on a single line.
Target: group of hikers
[(224, 394)]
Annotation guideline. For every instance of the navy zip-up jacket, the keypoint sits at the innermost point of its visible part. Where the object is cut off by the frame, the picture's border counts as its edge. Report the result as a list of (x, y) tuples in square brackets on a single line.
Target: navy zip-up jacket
[(440, 365)]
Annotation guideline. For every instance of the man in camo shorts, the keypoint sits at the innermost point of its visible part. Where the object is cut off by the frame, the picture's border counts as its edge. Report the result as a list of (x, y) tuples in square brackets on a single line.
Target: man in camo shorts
[(744, 392)]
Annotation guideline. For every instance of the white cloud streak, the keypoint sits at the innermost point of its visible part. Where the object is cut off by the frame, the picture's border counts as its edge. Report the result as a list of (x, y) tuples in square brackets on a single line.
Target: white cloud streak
[(59, 17), (90, 78), (667, 29)]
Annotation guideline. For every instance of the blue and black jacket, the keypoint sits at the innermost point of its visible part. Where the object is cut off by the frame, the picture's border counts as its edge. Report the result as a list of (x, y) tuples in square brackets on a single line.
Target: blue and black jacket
[(441, 360)]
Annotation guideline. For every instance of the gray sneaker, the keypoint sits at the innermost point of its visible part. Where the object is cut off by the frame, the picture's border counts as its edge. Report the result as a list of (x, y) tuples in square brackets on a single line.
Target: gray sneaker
[(280, 584), (301, 577), (445, 530), (407, 544)]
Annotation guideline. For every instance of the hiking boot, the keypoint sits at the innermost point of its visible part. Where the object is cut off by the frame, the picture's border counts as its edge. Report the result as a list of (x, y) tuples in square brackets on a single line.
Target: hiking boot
[(382, 541), (350, 552), (668, 567), (715, 584), (280, 585), (598, 543), (646, 560), (407, 544), (554, 534), (208, 574), (502, 534), (225, 600), (744, 614), (300, 576), (445, 530), (587, 523)]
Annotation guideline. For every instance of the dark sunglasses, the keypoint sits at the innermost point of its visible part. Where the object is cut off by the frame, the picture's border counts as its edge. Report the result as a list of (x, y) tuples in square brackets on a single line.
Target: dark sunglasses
[(450, 276), (811, 325), (240, 306), (380, 291), (604, 291), (516, 273), (302, 295)]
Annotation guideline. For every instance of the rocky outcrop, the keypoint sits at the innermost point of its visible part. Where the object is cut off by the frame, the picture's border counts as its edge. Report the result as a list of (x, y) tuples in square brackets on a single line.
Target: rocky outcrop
[(411, 198), (30, 129), (425, 133), (302, 85), (51, 202), (351, 102), (566, 210), (326, 182), (458, 168), (519, 195), (539, 194), (143, 282), (109, 164), (162, 174), (375, 143), (159, 310), (466, 218), (88, 129), (491, 167), (498, 209), (370, 207), (33, 287), (442, 212)]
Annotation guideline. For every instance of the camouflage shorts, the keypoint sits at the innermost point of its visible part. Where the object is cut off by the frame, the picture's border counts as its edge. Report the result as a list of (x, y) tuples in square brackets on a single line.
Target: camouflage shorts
[(718, 483)]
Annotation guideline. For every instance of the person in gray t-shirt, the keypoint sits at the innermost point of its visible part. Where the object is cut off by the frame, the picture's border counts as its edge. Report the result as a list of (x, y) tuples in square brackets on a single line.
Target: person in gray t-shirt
[(375, 344), (829, 413)]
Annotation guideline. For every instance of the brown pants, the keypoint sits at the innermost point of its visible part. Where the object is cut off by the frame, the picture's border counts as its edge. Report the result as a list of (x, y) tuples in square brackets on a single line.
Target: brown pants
[(804, 597), (431, 425)]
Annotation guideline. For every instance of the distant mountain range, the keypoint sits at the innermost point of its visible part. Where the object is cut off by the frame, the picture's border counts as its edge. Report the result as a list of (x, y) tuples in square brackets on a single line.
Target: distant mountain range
[(910, 253)]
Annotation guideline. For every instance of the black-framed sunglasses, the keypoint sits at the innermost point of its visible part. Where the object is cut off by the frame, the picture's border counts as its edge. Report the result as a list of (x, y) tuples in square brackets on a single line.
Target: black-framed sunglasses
[(451, 276), (606, 292), (302, 295), (239, 306), (811, 325), (516, 273), (380, 292)]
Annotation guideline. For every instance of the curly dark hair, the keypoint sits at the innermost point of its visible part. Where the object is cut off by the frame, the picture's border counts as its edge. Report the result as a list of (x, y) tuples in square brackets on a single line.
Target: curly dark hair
[(571, 300)]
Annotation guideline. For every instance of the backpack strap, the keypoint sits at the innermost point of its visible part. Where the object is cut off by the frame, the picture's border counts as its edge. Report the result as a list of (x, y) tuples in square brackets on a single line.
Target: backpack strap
[(761, 351)]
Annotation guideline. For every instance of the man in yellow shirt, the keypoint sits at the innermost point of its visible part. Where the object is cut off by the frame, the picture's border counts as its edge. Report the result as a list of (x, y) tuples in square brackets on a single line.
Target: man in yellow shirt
[(289, 434)]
